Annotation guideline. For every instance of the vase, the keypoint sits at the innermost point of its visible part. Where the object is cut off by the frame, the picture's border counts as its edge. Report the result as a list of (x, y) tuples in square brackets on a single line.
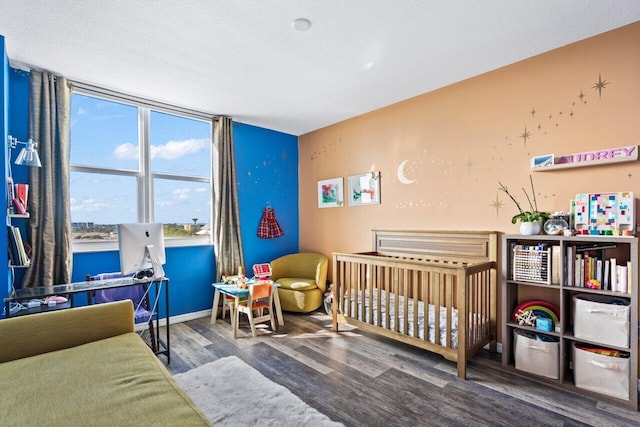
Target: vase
[(531, 227)]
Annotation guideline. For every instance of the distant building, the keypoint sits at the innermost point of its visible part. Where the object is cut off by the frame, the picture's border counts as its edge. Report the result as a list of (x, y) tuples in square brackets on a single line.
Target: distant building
[(77, 225)]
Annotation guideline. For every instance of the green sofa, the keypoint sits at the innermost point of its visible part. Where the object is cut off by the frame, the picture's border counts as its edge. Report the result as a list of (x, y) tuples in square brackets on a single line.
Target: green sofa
[(302, 278), (86, 366)]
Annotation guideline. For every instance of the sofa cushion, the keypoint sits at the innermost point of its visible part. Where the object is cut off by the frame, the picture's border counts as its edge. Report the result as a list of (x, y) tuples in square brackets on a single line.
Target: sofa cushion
[(113, 381), (25, 336), (297, 284)]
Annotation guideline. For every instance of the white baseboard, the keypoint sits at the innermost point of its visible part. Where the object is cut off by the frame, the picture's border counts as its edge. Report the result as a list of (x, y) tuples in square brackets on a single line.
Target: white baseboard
[(177, 319)]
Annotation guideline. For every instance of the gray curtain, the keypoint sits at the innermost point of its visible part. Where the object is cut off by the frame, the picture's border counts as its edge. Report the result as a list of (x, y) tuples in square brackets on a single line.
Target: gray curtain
[(227, 238), (49, 228)]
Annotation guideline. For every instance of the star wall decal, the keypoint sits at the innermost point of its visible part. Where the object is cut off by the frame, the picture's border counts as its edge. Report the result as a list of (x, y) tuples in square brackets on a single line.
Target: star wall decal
[(582, 97), (470, 163), (601, 84), (556, 117), (525, 135), (497, 205)]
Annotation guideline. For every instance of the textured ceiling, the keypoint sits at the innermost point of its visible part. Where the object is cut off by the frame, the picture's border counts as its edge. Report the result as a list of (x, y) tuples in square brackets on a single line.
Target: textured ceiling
[(243, 58)]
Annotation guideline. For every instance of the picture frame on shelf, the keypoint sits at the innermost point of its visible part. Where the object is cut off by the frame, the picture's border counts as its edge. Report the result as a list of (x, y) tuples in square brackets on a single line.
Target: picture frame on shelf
[(364, 189), (330, 193)]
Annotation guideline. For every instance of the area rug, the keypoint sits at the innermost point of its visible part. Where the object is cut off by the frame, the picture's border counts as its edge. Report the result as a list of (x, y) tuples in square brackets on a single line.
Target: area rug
[(232, 393)]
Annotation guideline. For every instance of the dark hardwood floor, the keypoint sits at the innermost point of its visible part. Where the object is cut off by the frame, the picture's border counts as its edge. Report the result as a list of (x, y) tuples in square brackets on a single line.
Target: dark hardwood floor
[(364, 380)]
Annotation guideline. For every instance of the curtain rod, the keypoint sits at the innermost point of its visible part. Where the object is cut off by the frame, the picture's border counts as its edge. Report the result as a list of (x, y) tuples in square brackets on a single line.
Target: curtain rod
[(120, 96)]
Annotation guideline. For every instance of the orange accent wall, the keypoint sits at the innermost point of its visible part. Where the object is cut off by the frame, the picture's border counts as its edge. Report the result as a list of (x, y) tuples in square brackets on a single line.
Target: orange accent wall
[(461, 140)]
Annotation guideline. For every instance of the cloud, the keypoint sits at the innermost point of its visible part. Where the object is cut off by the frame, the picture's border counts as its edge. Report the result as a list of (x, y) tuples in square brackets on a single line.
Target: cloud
[(82, 111), (170, 151), (176, 149), (126, 151), (181, 194), (88, 205)]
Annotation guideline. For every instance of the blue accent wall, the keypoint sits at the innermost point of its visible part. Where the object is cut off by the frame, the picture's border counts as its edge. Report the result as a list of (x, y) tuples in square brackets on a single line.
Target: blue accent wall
[(267, 172), (190, 270)]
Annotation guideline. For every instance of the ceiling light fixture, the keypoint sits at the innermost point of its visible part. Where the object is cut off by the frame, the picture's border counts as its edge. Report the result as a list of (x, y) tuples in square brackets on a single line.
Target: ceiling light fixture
[(301, 24)]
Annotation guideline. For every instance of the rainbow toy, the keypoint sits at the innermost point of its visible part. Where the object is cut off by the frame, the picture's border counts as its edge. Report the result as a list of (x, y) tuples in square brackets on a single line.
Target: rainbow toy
[(537, 308)]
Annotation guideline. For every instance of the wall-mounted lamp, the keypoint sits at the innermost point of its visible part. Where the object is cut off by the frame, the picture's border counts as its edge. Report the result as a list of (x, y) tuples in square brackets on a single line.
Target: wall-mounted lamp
[(28, 156)]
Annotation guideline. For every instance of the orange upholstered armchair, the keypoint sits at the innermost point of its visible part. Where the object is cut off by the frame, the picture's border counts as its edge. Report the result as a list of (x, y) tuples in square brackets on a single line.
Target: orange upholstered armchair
[(302, 278)]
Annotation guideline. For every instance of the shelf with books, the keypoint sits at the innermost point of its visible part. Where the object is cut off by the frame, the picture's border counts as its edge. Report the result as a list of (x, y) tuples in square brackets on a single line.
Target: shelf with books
[(593, 283), (17, 197), (19, 250)]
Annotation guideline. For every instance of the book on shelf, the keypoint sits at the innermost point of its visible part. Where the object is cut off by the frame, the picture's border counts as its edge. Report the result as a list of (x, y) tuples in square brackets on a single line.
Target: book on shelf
[(570, 274), (17, 251), (556, 258), (12, 246), (578, 271), (614, 274), (595, 247), (22, 194), (623, 283), (10, 192), (24, 258), (18, 206)]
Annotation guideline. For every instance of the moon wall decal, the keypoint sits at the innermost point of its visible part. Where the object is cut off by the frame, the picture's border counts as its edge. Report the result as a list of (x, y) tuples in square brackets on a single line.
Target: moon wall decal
[(401, 176)]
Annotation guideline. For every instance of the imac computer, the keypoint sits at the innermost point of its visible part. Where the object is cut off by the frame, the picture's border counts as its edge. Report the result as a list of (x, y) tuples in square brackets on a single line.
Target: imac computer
[(141, 248)]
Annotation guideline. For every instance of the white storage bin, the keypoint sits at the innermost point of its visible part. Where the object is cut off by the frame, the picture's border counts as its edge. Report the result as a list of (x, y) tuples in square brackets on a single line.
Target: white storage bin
[(536, 353), (602, 319), (600, 373)]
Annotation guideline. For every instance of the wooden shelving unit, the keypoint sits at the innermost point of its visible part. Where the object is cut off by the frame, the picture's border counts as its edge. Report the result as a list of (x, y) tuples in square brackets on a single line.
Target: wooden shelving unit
[(561, 292)]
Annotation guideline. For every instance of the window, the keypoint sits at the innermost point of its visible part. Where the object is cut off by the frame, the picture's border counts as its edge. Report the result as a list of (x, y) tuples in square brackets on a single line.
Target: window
[(132, 162)]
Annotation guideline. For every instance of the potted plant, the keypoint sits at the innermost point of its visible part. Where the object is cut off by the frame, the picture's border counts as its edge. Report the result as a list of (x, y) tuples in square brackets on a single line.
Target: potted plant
[(530, 221)]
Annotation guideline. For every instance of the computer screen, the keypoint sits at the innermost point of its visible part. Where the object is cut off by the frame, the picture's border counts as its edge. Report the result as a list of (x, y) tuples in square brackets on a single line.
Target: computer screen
[(141, 248)]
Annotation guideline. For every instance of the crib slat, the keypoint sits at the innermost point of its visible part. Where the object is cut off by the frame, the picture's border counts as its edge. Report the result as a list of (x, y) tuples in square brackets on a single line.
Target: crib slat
[(415, 295), (396, 301), (405, 301)]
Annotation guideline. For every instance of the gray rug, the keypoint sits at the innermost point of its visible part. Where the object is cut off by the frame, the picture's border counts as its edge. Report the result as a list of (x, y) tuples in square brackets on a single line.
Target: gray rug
[(232, 393)]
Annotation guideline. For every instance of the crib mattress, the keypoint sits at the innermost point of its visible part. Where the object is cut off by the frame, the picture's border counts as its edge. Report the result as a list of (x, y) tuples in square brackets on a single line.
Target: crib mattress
[(372, 316)]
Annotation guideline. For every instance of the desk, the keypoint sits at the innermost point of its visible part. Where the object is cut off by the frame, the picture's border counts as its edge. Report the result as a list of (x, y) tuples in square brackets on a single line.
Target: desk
[(234, 291), (71, 289)]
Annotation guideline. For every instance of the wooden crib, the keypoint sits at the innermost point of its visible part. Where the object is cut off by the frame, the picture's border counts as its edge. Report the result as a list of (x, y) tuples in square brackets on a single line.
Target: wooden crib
[(432, 289)]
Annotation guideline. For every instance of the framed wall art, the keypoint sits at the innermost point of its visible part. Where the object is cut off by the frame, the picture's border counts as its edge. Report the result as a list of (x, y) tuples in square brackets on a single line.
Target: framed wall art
[(364, 189), (330, 193)]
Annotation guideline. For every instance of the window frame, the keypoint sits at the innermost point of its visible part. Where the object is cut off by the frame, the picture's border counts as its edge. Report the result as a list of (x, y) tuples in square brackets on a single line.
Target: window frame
[(144, 176)]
